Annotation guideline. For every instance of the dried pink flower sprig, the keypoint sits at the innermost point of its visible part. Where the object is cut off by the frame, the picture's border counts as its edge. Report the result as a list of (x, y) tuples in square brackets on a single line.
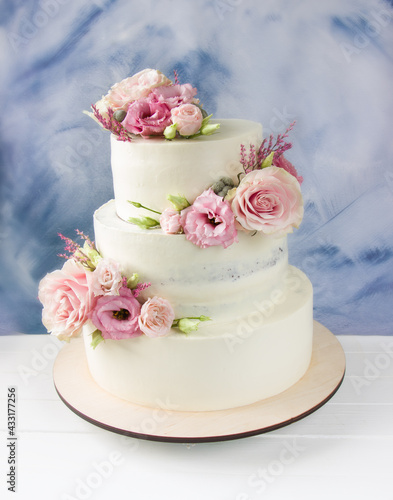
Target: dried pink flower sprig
[(112, 124), (279, 147), (255, 158), (85, 256), (269, 153), (139, 288)]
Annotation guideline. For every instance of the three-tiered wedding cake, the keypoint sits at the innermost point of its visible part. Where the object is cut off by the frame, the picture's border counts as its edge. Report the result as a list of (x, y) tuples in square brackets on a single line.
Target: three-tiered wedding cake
[(186, 300)]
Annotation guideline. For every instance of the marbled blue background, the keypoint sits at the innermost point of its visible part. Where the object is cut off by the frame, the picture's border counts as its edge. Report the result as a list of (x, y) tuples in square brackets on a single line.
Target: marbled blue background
[(326, 64)]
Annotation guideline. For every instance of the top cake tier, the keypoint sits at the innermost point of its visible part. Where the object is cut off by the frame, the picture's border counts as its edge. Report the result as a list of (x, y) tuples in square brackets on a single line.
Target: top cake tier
[(148, 170)]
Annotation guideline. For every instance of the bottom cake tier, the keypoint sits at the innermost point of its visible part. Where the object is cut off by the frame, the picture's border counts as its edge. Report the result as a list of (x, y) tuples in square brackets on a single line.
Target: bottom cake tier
[(220, 366)]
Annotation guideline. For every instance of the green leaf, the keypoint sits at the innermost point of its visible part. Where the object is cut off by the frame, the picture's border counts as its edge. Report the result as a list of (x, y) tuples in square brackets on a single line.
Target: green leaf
[(187, 325), (208, 128), (144, 222), (92, 254), (179, 202), (268, 160), (206, 120), (96, 338)]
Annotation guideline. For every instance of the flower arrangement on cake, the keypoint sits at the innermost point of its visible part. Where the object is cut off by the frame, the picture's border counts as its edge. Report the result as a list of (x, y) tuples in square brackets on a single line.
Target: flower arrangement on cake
[(92, 288), (150, 104), (267, 199)]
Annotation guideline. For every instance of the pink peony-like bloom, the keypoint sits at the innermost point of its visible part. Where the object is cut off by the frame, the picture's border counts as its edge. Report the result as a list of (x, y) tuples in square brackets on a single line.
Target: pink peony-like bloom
[(145, 118), (188, 119), (282, 162), (156, 317), (268, 200), (116, 316), (170, 221), (106, 278), (134, 87), (209, 221), (67, 299), (174, 95)]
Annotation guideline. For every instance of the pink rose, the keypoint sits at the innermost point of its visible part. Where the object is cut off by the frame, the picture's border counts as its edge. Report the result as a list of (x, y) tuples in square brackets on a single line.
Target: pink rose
[(147, 118), (170, 221), (188, 119), (268, 200), (156, 317), (106, 278), (209, 221), (67, 299), (116, 316), (282, 162), (134, 87), (174, 95)]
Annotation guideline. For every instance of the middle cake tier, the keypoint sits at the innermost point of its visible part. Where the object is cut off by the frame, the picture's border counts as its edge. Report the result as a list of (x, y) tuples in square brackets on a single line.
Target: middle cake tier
[(212, 281)]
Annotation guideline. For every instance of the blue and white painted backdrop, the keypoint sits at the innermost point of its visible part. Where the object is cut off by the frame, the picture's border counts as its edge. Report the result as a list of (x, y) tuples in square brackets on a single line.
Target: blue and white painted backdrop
[(328, 65)]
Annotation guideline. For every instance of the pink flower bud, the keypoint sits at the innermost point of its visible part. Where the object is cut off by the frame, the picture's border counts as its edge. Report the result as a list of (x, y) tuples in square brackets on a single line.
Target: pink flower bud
[(170, 221)]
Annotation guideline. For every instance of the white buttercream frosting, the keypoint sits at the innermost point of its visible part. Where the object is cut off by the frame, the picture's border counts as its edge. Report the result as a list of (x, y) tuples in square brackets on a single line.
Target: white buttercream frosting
[(259, 340), (210, 281), (222, 365), (148, 170)]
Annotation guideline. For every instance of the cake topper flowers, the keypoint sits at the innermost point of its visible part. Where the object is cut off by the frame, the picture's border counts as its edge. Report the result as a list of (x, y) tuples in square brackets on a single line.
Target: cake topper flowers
[(92, 288), (150, 104), (267, 199)]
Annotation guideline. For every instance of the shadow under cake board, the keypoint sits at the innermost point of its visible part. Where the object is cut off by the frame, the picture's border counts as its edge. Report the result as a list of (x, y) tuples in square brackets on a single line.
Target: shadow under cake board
[(84, 397)]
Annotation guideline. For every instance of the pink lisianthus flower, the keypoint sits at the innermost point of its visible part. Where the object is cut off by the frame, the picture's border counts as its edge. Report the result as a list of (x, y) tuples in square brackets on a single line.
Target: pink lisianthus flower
[(134, 87), (67, 299), (209, 221), (174, 95), (106, 278), (268, 200), (188, 119), (156, 317), (116, 316), (145, 118), (282, 162), (170, 221)]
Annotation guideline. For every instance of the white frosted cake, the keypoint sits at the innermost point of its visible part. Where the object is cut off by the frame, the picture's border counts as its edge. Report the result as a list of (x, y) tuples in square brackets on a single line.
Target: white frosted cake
[(186, 300)]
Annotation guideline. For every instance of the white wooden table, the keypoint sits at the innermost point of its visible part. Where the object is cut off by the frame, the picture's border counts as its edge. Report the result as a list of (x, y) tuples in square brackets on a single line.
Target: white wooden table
[(342, 451)]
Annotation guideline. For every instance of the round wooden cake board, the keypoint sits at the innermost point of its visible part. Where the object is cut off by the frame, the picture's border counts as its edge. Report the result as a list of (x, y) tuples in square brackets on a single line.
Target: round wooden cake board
[(83, 396)]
